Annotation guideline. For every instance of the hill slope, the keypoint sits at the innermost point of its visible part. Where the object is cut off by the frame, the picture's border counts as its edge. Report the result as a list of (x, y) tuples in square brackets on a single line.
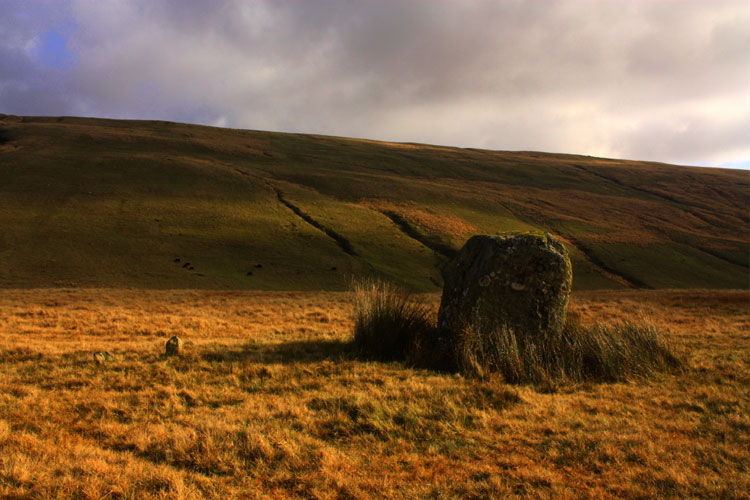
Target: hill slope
[(92, 202)]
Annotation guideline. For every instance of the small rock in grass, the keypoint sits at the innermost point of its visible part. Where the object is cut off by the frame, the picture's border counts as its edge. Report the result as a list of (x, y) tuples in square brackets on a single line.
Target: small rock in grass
[(174, 346)]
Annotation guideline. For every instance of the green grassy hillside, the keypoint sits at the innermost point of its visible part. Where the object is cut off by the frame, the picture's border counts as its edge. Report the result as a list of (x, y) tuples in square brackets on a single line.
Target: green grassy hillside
[(92, 202)]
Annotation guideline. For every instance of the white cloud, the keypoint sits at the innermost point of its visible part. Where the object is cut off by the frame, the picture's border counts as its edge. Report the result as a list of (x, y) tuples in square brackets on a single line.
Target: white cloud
[(662, 80)]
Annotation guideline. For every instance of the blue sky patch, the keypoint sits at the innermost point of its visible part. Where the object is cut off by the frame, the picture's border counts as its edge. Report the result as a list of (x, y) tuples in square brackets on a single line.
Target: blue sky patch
[(53, 50)]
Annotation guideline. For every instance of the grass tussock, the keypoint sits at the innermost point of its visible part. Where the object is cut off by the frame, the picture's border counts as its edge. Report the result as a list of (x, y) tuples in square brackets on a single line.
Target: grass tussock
[(392, 325), (388, 323), (598, 352)]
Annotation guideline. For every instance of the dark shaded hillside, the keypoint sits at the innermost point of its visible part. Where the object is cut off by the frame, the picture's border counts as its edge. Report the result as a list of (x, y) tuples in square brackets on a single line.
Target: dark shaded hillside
[(91, 202)]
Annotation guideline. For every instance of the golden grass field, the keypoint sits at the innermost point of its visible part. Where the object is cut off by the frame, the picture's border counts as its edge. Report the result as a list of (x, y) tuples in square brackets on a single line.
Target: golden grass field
[(267, 403)]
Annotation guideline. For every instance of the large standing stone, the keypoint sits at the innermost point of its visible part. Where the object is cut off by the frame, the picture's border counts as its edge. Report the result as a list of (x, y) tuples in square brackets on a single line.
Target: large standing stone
[(519, 281)]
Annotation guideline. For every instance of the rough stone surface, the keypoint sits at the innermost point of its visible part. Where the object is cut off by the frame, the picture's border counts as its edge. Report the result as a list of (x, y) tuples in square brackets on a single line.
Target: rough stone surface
[(521, 281), (174, 346)]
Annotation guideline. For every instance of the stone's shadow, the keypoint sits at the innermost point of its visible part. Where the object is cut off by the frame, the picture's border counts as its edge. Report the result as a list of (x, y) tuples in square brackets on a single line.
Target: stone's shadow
[(286, 353)]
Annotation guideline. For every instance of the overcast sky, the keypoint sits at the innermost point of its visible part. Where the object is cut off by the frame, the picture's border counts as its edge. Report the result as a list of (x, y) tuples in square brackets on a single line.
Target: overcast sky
[(647, 80)]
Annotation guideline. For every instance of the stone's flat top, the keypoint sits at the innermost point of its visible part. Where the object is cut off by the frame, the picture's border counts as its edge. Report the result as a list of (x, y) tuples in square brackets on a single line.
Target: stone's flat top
[(514, 239)]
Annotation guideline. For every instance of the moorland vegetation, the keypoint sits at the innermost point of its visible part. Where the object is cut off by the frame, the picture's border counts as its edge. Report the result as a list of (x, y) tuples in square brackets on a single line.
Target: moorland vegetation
[(267, 402)]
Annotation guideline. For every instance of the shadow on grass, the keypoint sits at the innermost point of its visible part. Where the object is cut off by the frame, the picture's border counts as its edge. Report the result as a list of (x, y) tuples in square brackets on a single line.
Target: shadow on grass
[(283, 353)]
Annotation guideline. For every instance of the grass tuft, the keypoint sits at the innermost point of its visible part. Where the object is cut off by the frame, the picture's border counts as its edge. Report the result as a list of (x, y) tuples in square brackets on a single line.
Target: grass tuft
[(388, 322), (599, 352)]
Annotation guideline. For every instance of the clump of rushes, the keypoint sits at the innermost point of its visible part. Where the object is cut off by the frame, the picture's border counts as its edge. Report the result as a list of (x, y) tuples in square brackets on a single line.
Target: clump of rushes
[(600, 352), (388, 323), (616, 351)]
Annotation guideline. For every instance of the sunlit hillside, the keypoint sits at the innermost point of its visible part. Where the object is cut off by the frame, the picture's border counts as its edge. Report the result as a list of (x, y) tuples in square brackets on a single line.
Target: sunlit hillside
[(92, 202)]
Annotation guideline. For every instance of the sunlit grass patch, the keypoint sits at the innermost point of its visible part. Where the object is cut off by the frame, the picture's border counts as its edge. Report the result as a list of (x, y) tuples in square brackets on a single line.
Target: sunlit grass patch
[(268, 402)]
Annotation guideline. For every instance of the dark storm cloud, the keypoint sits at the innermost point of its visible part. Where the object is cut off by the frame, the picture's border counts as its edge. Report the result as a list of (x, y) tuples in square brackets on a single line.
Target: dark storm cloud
[(663, 80)]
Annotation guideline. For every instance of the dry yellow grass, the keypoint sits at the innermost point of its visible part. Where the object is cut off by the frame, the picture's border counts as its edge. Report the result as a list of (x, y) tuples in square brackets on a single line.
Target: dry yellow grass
[(267, 403)]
